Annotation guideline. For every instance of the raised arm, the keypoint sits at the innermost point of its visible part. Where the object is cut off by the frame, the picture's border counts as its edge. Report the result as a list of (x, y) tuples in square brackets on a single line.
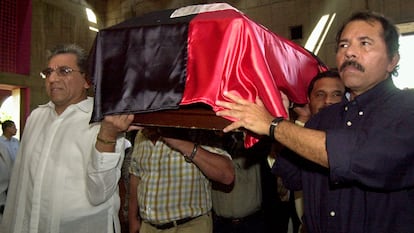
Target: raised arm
[(110, 129), (308, 143), (215, 166)]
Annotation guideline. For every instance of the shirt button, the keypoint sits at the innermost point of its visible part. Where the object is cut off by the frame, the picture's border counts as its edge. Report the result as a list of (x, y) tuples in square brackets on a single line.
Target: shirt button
[(332, 213), (346, 108), (348, 123), (361, 113)]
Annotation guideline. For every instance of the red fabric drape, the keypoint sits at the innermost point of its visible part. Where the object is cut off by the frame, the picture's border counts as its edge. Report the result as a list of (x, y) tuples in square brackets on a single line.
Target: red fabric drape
[(229, 52)]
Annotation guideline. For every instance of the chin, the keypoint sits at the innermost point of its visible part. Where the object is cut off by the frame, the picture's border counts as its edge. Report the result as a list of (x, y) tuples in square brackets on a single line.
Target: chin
[(351, 80)]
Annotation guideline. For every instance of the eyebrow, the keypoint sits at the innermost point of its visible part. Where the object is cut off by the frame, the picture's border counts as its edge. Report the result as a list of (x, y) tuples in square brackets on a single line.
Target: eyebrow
[(359, 38), (365, 38)]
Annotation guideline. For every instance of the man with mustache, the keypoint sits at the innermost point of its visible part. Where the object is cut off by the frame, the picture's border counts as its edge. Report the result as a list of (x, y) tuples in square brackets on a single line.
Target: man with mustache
[(359, 175)]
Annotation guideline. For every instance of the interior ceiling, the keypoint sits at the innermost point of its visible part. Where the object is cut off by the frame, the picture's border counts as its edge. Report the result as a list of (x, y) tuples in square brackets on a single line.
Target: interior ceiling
[(406, 28)]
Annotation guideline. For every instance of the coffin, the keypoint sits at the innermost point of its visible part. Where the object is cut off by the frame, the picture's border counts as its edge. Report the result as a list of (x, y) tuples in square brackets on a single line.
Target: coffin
[(169, 67)]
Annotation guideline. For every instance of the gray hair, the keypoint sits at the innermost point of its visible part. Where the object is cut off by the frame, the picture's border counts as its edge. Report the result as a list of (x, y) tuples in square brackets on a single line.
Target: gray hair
[(82, 58)]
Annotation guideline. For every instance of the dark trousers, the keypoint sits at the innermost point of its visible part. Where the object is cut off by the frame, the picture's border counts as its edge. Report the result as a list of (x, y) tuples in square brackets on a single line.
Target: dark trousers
[(250, 224), (278, 214)]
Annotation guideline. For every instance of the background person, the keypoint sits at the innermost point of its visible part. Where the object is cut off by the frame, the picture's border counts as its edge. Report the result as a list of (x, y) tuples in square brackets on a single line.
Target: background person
[(171, 174), (5, 170), (325, 89), (8, 139), (238, 207)]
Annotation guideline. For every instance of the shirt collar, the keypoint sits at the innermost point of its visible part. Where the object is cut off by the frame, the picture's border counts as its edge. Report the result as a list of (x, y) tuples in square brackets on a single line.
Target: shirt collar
[(383, 89), (84, 105)]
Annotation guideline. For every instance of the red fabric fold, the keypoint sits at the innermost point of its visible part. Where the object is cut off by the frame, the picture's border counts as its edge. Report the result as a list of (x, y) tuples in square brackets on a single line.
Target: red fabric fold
[(229, 52)]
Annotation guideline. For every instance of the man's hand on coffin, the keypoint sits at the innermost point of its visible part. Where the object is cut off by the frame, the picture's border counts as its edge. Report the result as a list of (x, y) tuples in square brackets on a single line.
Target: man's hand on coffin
[(252, 116), (111, 127), (303, 112)]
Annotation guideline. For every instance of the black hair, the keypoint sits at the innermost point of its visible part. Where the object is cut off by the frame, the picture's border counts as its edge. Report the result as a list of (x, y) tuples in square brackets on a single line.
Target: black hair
[(332, 73), (6, 123)]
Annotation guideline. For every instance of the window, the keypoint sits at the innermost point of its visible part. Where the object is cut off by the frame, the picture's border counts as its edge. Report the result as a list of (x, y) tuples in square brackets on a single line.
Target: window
[(405, 73)]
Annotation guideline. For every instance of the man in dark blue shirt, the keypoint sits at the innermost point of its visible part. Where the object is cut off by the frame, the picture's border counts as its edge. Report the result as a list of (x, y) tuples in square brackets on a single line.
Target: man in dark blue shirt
[(360, 175)]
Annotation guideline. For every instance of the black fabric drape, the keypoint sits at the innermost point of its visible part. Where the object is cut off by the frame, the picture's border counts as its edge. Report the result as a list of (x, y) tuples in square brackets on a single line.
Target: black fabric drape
[(140, 65)]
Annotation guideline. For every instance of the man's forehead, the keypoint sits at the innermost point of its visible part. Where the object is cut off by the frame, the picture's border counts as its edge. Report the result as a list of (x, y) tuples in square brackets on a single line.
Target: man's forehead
[(64, 59), (328, 81), (361, 29)]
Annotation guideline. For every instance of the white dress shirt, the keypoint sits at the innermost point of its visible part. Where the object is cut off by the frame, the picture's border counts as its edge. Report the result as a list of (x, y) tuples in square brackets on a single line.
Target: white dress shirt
[(5, 169), (60, 182)]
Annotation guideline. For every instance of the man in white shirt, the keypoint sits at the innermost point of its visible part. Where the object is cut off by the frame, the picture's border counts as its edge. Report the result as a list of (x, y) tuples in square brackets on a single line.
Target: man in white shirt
[(66, 173), (5, 168)]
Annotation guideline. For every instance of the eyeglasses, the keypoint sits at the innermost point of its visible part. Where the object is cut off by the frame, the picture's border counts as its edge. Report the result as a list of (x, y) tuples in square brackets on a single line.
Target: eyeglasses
[(61, 71)]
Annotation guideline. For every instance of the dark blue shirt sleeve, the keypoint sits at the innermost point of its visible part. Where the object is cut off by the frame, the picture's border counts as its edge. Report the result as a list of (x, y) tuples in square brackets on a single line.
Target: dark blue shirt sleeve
[(288, 170)]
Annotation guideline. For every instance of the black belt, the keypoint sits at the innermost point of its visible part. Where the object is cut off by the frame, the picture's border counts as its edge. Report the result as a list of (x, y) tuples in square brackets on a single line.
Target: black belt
[(171, 224), (238, 220)]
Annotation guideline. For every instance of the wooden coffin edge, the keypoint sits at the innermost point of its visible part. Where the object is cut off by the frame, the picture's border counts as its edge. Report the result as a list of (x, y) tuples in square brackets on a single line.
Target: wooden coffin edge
[(194, 117)]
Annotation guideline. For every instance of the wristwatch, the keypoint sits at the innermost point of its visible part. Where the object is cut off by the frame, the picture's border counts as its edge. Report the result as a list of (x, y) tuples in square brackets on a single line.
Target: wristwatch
[(273, 126)]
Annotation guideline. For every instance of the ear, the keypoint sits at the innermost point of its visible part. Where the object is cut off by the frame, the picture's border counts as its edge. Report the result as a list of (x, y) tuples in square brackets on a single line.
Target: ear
[(87, 85), (88, 82), (394, 62)]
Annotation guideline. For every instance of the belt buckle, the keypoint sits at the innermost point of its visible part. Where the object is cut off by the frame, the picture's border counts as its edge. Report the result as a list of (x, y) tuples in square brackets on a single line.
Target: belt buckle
[(235, 220), (162, 226), (172, 224)]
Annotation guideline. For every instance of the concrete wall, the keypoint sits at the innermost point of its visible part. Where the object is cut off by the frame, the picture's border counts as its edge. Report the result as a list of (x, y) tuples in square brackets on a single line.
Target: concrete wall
[(53, 22), (278, 15)]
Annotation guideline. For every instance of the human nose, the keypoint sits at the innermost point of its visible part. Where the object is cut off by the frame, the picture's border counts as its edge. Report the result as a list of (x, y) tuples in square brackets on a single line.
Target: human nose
[(350, 52), (328, 100)]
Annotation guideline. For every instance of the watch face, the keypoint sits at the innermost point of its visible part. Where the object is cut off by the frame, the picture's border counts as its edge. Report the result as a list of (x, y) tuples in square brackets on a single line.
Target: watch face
[(187, 159)]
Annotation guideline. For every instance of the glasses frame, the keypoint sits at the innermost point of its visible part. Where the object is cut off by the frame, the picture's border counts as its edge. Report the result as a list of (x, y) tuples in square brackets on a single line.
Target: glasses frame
[(61, 71)]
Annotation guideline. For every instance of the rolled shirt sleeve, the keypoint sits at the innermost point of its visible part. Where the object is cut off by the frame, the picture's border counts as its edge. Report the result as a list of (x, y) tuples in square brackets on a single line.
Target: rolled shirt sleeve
[(104, 171)]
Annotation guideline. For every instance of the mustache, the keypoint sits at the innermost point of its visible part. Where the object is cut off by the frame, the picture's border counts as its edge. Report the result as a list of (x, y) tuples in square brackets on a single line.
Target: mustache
[(352, 63)]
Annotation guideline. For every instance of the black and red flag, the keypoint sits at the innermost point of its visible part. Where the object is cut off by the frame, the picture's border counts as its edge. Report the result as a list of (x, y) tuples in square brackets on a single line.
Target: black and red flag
[(173, 58)]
